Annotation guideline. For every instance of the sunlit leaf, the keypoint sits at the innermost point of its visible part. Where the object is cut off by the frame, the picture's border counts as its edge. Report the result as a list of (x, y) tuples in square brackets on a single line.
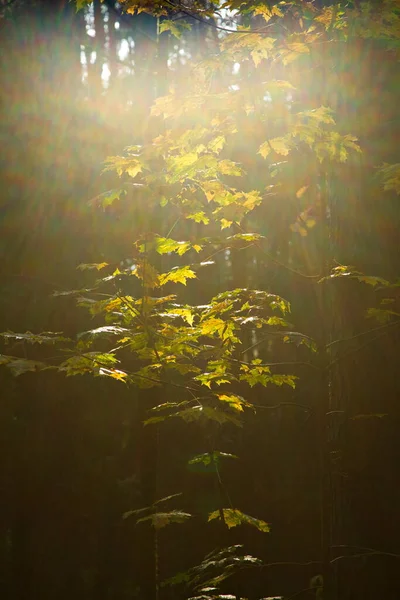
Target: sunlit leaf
[(301, 191), (227, 167), (161, 519), (92, 266), (235, 402), (46, 337), (199, 217), (105, 331), (267, 11), (265, 149), (280, 145), (234, 517), (209, 458), (113, 373), (175, 27), (177, 275), (362, 417)]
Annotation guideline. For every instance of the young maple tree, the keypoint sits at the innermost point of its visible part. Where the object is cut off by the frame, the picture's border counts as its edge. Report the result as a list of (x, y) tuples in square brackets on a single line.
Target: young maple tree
[(240, 136)]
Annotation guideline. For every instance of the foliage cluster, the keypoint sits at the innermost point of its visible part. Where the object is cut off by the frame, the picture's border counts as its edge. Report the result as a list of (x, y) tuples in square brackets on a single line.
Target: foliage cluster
[(229, 143)]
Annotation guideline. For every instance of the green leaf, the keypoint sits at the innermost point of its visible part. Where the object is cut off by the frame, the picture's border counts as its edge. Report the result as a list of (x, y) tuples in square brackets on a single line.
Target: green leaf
[(373, 280), (256, 373), (209, 457), (80, 4), (220, 416), (175, 27), (234, 517), (88, 362), (162, 519), (92, 266), (391, 177), (19, 366), (167, 498), (46, 337), (183, 577), (104, 331), (107, 198)]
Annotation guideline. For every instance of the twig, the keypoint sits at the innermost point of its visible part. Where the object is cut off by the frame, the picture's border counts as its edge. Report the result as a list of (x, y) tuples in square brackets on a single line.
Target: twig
[(307, 408), (367, 552), (357, 335), (214, 25), (301, 592), (289, 564), (353, 350)]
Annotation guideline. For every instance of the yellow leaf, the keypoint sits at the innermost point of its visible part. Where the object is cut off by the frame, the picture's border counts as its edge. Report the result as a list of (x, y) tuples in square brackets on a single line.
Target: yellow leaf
[(264, 149), (292, 51), (301, 191), (199, 217), (97, 266), (114, 373), (213, 190), (225, 223), (134, 169), (217, 144), (148, 274), (235, 402), (267, 12), (228, 167), (213, 325), (177, 275), (261, 49), (299, 47), (233, 517), (185, 313), (310, 223), (280, 146)]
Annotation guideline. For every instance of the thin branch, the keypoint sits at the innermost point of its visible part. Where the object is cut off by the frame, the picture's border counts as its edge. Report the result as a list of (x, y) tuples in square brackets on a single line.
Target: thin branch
[(361, 555), (214, 25), (145, 377), (272, 364), (357, 335), (301, 592), (290, 564), (275, 406), (278, 262), (173, 227), (279, 333), (354, 350), (367, 551)]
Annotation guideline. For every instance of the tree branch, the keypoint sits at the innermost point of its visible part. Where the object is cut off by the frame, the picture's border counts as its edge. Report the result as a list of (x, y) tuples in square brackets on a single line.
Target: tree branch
[(357, 335)]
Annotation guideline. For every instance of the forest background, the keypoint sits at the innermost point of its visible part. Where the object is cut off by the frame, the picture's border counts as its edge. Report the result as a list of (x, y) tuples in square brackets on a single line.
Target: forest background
[(233, 431)]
